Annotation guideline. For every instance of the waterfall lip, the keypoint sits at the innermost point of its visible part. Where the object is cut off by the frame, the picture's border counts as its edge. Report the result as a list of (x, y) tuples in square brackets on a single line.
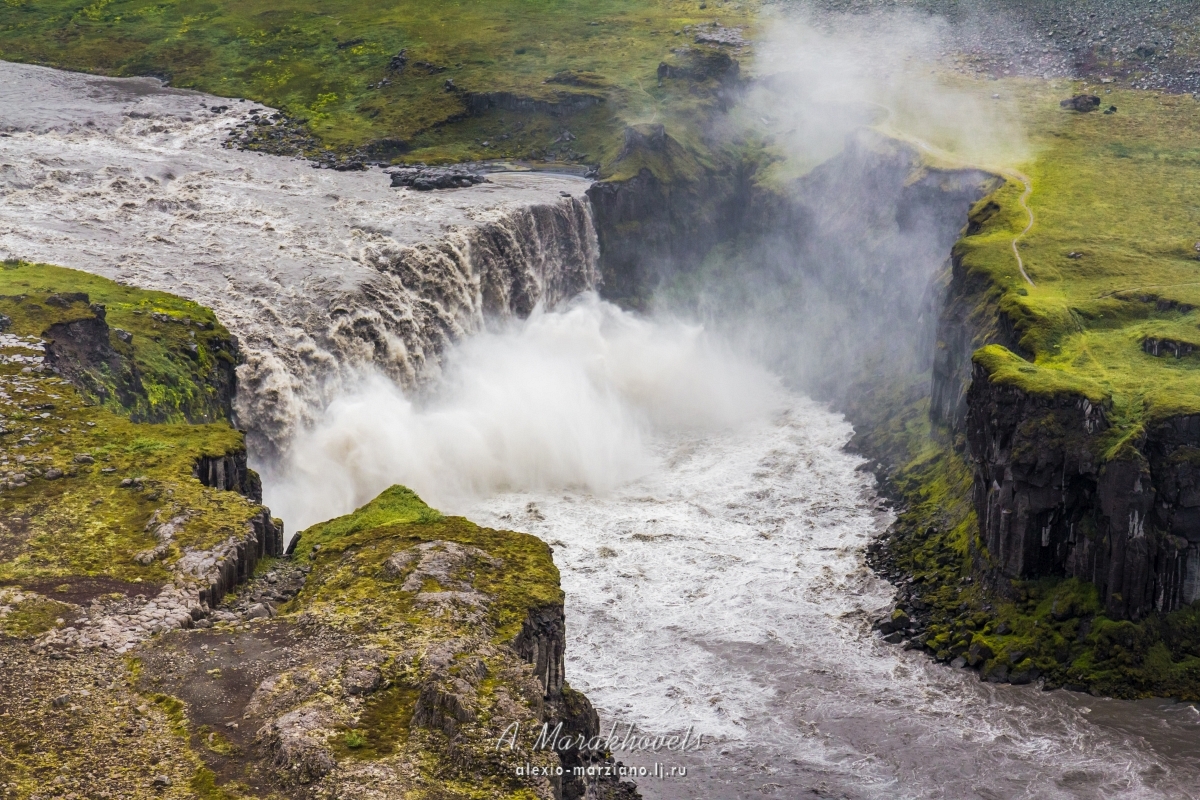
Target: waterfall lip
[(318, 272)]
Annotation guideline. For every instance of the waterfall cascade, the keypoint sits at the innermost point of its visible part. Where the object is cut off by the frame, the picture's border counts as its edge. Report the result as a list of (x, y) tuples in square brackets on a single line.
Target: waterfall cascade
[(321, 274)]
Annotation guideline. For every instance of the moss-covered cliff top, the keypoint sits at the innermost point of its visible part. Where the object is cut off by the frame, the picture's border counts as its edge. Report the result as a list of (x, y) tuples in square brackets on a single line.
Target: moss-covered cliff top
[(590, 67), (518, 571), (1113, 254), (83, 489), (388, 656)]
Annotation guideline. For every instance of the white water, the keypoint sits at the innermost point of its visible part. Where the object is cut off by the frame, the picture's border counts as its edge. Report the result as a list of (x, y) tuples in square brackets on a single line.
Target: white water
[(319, 273), (709, 528), (560, 401), (708, 524)]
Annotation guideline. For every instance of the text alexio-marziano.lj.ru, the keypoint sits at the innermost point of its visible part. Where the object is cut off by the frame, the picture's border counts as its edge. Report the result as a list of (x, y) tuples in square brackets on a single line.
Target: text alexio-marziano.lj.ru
[(632, 741)]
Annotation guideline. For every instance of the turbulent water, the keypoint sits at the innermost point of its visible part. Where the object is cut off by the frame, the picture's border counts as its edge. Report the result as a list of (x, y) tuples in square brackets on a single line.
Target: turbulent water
[(708, 523), (320, 273), (709, 527)]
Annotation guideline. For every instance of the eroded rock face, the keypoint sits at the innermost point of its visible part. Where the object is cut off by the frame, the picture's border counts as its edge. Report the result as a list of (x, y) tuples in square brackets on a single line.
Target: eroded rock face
[(1050, 504), (411, 644)]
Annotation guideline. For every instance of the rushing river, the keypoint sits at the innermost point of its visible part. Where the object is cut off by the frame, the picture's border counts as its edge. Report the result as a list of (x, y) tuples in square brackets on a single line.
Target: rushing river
[(708, 524), (710, 530)]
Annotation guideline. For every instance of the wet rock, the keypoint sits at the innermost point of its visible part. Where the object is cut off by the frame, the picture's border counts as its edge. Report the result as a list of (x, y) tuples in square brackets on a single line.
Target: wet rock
[(895, 637), (995, 673), (429, 178), (958, 663), (978, 652), (1024, 673)]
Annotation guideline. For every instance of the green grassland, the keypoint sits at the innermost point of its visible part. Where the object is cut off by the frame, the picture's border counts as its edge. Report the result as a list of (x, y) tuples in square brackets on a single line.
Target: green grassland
[(327, 62), (1112, 253), (79, 479), (1113, 259)]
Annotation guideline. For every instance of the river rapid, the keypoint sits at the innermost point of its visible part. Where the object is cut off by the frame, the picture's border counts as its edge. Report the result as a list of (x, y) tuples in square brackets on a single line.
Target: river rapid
[(707, 521), (710, 527)]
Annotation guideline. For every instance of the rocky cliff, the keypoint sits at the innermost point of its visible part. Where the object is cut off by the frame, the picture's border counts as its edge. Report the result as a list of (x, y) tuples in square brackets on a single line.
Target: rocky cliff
[(1057, 497), (155, 643)]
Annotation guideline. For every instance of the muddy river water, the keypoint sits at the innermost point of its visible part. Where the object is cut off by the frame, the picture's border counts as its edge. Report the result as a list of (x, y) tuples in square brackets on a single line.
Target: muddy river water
[(708, 524)]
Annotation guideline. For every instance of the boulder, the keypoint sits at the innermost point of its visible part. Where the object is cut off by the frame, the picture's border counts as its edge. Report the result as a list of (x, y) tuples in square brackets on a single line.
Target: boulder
[(1081, 102)]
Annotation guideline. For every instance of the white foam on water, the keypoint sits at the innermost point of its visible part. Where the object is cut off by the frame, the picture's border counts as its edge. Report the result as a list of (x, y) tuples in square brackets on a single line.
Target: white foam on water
[(560, 400), (709, 527)]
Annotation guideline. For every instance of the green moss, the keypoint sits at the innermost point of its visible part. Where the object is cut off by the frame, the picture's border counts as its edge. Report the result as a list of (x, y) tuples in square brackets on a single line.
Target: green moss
[(1006, 368), (32, 617), (73, 519), (383, 726), (348, 563), (1111, 253), (327, 62), (1055, 626), (174, 709), (177, 367), (204, 786)]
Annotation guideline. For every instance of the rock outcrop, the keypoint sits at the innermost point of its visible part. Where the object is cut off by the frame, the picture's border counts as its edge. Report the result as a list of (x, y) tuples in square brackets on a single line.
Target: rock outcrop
[(231, 473), (384, 658), (1050, 503)]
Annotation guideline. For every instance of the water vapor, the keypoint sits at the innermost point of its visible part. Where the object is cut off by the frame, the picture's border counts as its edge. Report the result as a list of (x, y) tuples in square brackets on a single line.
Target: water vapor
[(881, 152), (562, 400), (821, 78)]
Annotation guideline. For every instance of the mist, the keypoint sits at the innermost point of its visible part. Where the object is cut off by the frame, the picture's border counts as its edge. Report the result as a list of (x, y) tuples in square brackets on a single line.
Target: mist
[(567, 399), (880, 150), (829, 288)]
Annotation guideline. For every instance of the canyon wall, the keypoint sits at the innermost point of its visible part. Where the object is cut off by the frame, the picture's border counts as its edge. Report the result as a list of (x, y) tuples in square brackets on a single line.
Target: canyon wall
[(1057, 492)]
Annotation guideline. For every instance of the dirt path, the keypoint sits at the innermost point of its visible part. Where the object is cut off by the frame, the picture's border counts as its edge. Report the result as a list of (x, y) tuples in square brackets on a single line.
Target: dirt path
[(1025, 205)]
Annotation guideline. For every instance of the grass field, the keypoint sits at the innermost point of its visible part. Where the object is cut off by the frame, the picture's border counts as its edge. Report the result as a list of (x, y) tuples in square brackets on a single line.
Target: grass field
[(1114, 252), (590, 66)]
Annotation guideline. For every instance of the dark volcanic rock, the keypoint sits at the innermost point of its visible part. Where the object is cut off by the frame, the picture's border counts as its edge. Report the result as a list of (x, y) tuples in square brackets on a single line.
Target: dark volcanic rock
[(428, 178), (1081, 102), (1052, 503)]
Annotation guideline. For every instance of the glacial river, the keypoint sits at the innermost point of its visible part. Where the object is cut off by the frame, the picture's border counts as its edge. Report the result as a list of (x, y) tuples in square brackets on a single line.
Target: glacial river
[(710, 528), (708, 524), (726, 591)]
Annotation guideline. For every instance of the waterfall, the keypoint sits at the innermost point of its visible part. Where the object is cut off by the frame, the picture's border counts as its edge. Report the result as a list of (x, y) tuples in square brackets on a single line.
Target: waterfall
[(322, 275), (418, 300)]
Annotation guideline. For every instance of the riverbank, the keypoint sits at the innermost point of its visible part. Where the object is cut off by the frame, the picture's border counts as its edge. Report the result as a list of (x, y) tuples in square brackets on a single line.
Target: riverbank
[(1045, 529)]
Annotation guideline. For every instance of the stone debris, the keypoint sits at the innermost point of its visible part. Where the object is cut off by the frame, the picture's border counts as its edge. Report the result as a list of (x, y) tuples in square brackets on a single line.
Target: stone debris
[(721, 36), (120, 625), (425, 179)]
